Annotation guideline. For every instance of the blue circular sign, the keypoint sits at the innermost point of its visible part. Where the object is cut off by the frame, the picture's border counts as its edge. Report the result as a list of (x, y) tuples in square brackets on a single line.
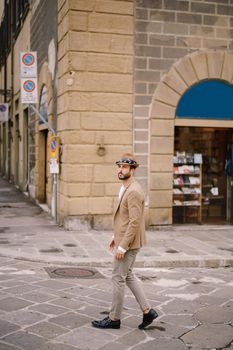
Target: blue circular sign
[(29, 85), (28, 59), (53, 145)]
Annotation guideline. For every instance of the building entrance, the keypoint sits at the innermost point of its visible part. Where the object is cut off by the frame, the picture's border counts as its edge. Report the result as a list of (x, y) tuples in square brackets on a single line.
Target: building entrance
[(213, 202)]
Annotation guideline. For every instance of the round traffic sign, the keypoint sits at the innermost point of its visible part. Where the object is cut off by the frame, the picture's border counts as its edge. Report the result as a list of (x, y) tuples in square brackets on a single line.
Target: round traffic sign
[(53, 145), (29, 85), (28, 59)]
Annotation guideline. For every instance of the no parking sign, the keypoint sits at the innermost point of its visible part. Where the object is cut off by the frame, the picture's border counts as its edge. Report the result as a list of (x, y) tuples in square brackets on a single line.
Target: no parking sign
[(29, 90), (28, 69), (28, 64)]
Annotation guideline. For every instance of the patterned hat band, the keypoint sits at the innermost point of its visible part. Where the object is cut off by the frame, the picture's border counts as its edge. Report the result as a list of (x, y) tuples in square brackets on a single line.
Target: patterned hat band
[(128, 161)]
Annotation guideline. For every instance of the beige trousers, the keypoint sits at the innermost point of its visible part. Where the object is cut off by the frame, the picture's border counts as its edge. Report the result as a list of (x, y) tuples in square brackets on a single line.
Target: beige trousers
[(122, 275)]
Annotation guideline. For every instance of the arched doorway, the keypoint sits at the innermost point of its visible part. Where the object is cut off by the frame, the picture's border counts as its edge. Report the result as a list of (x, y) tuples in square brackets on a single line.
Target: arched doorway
[(187, 72), (210, 100)]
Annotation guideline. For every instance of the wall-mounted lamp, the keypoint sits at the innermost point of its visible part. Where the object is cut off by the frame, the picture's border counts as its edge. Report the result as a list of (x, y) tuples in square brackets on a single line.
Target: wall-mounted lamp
[(101, 151)]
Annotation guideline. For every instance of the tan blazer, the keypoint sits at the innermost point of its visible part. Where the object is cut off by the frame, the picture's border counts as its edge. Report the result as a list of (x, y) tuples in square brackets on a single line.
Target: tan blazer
[(129, 218)]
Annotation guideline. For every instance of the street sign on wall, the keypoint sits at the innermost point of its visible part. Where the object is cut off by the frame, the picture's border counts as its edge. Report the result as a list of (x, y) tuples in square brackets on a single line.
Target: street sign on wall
[(28, 64), (4, 112), (29, 90), (28, 70)]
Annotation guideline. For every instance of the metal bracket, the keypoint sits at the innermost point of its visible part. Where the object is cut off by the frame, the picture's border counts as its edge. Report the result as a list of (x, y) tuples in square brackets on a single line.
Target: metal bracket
[(43, 119)]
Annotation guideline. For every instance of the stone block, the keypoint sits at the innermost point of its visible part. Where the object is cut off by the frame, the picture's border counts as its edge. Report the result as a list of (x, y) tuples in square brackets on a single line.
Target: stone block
[(112, 6), (162, 40), (112, 189), (76, 172), (110, 23), (218, 21), (227, 70), (176, 5), (162, 127), (141, 135), (69, 121), (222, 315), (175, 81), (98, 62), (114, 137), (141, 147), (202, 31), (160, 199), (141, 123), (148, 76), (161, 162), (160, 216), (215, 63), (199, 62), (77, 137), (160, 110), (77, 205), (101, 205), (176, 28), (148, 27), (96, 102), (161, 181), (202, 8), (79, 154), (147, 51), (186, 71), (106, 121), (97, 190), (141, 63), (160, 63), (82, 5), (101, 42), (165, 94), (77, 223), (189, 18), (78, 21), (102, 222), (178, 52), (212, 336), (105, 173), (162, 145), (75, 189), (99, 82), (214, 44), (224, 10), (63, 8)]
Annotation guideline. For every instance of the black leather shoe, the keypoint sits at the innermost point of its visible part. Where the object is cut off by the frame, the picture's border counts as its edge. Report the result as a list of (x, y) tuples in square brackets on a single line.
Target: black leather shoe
[(148, 318), (107, 323)]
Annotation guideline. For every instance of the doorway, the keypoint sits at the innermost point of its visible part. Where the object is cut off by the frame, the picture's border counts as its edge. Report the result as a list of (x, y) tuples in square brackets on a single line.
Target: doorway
[(213, 145), (43, 166)]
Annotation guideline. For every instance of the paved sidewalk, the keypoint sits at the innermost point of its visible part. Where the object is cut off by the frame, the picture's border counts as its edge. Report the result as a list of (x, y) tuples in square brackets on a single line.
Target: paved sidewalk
[(28, 233)]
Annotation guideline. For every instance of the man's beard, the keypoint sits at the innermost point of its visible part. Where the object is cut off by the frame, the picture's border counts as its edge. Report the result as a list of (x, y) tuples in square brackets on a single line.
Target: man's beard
[(123, 176)]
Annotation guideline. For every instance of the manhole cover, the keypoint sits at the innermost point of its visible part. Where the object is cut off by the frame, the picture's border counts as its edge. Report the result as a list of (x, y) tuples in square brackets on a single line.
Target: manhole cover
[(72, 272)]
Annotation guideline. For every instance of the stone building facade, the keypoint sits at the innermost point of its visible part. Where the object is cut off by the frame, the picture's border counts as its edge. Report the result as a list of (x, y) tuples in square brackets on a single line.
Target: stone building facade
[(121, 69)]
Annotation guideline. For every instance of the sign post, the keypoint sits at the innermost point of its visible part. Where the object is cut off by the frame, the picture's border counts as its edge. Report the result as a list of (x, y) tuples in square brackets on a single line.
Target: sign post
[(29, 95)]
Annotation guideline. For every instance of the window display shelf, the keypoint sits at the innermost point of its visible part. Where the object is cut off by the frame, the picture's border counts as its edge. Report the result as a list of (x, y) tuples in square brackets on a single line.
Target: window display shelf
[(187, 190)]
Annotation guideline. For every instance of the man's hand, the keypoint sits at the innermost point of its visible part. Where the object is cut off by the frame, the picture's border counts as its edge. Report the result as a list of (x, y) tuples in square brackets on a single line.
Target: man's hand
[(119, 255)]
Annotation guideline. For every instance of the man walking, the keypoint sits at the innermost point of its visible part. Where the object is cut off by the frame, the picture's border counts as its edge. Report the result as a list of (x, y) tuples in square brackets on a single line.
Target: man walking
[(129, 237)]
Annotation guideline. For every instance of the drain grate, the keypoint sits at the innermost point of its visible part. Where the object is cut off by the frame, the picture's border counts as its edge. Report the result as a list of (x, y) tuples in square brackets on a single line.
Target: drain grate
[(73, 272)]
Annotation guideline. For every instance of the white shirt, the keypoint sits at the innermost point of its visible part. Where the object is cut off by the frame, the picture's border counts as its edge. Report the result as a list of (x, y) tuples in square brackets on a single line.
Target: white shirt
[(121, 192)]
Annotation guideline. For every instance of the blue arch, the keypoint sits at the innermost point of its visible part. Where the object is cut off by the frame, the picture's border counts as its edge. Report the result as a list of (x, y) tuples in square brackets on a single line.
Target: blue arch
[(210, 99)]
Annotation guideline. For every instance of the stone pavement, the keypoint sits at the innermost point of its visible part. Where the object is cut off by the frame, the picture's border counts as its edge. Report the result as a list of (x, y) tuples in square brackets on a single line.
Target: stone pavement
[(40, 310), (195, 307), (27, 232)]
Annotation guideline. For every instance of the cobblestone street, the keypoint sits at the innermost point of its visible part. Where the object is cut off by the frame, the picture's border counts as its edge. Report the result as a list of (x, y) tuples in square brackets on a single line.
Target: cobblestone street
[(195, 307)]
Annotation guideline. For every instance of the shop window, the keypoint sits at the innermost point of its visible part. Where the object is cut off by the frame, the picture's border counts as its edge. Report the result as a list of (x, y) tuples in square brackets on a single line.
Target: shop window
[(211, 99)]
